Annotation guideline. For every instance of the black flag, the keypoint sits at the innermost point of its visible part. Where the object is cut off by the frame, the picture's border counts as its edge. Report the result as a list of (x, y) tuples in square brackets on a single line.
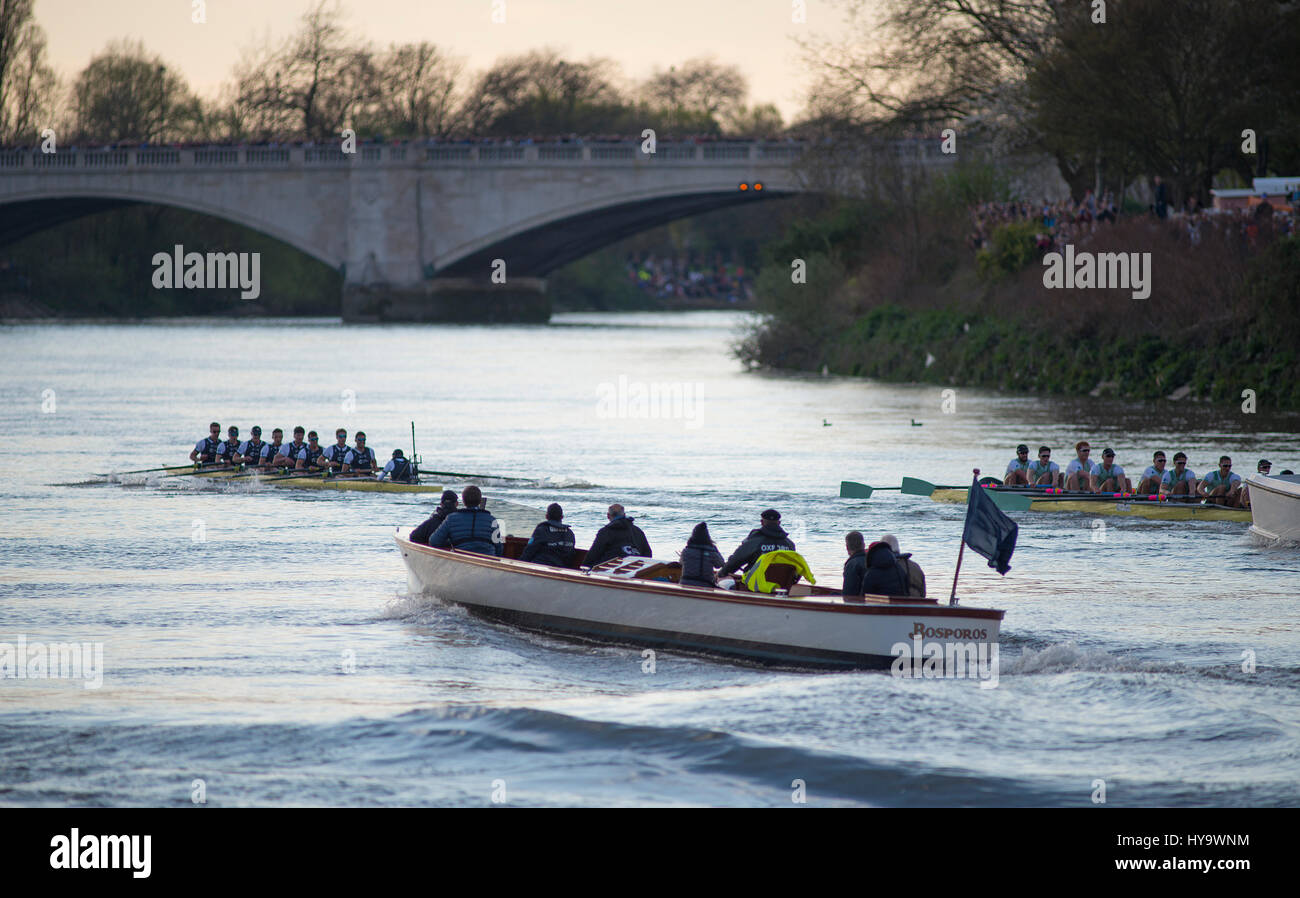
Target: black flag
[(988, 530)]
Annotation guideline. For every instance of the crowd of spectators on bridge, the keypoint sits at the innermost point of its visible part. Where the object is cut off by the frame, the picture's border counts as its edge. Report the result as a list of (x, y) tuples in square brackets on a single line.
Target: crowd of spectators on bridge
[(530, 140), (683, 279)]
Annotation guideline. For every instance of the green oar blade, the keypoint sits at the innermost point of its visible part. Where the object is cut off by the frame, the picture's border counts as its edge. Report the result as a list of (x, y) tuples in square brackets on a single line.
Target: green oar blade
[(1011, 501), (913, 486), (850, 489)]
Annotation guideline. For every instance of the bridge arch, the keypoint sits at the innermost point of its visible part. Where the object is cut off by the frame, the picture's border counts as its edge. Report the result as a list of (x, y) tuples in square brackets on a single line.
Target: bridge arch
[(28, 213), (537, 246)]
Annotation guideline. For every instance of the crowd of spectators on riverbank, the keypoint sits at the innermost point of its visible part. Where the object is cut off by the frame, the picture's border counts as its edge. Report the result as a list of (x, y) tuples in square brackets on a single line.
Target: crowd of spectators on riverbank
[(1066, 222), (682, 279)]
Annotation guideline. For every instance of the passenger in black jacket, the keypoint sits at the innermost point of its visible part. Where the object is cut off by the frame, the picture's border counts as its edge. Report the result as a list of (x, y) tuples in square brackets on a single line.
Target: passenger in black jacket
[(884, 576), (769, 537), (552, 541), (700, 558), (855, 569), (445, 507), (620, 537)]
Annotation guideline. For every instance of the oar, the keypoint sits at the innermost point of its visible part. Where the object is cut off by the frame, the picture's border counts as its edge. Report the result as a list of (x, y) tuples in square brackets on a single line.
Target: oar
[(209, 470), (479, 476), (1012, 501), (141, 471), (914, 486), (851, 489)]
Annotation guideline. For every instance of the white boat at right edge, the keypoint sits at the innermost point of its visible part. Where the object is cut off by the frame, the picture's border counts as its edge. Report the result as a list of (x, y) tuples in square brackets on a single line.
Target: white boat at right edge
[(1275, 506)]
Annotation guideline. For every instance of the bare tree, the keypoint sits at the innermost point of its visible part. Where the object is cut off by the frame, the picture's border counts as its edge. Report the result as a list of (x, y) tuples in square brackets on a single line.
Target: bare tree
[(541, 92), (698, 85), (28, 85), (763, 120), (931, 61), (418, 85), (313, 85)]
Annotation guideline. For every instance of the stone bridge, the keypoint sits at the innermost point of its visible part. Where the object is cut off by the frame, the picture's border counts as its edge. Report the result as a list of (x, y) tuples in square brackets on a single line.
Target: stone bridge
[(416, 229)]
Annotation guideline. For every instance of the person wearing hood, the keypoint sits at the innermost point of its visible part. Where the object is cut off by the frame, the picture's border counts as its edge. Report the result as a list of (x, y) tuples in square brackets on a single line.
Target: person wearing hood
[(884, 577), (913, 576), (552, 542), (768, 537), (619, 538), (700, 558), (445, 507)]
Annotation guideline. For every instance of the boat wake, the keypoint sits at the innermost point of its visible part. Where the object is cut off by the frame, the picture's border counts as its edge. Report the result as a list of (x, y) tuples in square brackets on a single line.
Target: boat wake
[(566, 483)]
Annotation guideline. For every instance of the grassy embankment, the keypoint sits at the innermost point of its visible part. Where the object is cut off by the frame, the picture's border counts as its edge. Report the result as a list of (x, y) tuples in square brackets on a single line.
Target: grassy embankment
[(893, 292)]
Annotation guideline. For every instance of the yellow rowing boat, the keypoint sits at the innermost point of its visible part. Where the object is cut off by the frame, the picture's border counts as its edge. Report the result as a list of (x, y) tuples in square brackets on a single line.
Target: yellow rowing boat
[(1137, 508), (362, 484)]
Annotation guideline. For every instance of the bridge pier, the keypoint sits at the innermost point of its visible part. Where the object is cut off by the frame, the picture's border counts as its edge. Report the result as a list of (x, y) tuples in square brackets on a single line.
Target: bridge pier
[(453, 300)]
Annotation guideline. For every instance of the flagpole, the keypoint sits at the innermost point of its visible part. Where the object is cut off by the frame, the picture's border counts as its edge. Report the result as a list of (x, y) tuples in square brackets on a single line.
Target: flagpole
[(952, 598)]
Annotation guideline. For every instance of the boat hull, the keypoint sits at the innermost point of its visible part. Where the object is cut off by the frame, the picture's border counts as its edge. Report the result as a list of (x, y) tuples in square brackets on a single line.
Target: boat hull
[(1156, 511), (1275, 507), (811, 632), (310, 482), (363, 486)]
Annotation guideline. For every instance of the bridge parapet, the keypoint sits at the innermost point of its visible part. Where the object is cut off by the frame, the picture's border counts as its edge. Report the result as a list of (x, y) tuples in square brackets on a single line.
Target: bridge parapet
[(421, 154), (13, 161)]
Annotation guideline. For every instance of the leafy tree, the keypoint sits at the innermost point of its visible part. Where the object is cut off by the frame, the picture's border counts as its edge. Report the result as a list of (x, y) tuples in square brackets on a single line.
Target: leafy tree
[(127, 94), (1165, 88)]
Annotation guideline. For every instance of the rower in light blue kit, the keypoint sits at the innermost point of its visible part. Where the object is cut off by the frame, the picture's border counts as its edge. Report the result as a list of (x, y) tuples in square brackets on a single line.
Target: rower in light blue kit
[(1180, 480), (1079, 470), (1043, 471), (1153, 475), (1222, 487), (1018, 468), (1108, 477)]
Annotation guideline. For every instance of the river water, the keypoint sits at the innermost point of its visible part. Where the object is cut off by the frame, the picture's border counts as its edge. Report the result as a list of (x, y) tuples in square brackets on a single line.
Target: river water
[(260, 648)]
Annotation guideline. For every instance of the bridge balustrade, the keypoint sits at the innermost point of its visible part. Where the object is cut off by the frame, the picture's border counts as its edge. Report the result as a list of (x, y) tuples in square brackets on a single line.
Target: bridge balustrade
[(267, 156), (15, 161), (157, 157)]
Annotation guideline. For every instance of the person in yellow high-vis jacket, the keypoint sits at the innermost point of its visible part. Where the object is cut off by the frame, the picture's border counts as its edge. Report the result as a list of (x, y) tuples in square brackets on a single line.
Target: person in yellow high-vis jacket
[(756, 577)]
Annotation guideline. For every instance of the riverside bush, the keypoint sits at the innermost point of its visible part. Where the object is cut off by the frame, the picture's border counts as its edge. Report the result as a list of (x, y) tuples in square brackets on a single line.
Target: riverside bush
[(1012, 246)]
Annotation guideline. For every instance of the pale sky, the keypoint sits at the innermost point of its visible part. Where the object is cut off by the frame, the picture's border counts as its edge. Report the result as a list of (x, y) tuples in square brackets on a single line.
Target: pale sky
[(755, 35)]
